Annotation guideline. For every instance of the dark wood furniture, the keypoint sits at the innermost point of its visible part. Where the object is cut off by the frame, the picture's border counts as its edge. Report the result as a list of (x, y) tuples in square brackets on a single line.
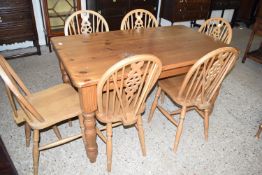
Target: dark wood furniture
[(247, 11), (17, 24), (225, 4), (114, 10), (6, 165), (55, 13), (184, 10), (178, 49), (255, 55)]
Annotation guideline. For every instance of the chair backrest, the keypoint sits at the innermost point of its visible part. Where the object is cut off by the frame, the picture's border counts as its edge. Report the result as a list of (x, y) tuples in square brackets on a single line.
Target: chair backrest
[(15, 90), (138, 18), (218, 28), (125, 86), (85, 22), (206, 75)]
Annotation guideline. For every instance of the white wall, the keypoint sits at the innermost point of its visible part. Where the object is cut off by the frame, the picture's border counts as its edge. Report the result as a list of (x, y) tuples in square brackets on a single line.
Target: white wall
[(39, 24)]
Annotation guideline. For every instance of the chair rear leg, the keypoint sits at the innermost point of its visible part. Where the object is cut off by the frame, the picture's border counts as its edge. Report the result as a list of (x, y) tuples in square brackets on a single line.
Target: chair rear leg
[(81, 123), (162, 97), (206, 123), (109, 146), (259, 131), (153, 107), (57, 132), (179, 128), (70, 123), (27, 134), (36, 151), (141, 135)]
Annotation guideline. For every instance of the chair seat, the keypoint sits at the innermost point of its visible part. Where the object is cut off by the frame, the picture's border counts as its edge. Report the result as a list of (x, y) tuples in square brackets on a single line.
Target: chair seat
[(55, 104), (171, 87)]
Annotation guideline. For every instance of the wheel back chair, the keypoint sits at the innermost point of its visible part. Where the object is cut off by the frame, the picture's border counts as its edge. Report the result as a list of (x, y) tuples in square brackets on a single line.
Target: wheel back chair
[(121, 95), (85, 22), (138, 18), (40, 110), (218, 28), (197, 89)]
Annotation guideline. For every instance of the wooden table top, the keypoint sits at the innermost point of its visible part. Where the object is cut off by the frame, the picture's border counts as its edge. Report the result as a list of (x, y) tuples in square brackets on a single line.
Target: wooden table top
[(87, 57)]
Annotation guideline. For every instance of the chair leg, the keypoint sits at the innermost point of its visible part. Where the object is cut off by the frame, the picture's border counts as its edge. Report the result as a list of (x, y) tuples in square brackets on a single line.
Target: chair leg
[(27, 134), (81, 123), (36, 151), (153, 107), (57, 132), (180, 128), (109, 146), (206, 123), (162, 97), (70, 123), (141, 135), (259, 131)]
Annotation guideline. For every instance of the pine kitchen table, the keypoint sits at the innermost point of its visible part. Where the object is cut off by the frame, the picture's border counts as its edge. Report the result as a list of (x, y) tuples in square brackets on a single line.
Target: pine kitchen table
[(84, 58)]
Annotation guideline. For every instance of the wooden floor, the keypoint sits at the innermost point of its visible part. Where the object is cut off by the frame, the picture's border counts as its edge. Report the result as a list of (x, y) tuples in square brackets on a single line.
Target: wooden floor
[(6, 164)]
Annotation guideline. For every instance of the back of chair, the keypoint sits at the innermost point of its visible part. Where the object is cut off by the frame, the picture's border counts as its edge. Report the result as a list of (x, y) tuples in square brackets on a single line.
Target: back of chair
[(15, 90), (138, 18), (206, 75), (218, 28), (85, 22), (125, 86)]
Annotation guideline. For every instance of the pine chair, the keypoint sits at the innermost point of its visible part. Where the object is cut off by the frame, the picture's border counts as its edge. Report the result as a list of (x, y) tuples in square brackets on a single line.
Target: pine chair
[(218, 28), (259, 131), (197, 89), (138, 18), (85, 22), (121, 95), (40, 110)]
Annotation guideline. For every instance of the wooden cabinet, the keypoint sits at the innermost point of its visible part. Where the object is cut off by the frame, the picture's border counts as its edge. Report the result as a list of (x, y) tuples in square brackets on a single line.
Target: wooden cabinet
[(6, 164), (55, 14), (255, 55), (226, 4), (17, 24), (184, 10), (247, 11), (114, 10)]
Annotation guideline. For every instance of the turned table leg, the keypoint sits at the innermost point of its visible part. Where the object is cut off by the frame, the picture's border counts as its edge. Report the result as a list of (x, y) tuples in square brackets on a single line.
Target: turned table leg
[(89, 105)]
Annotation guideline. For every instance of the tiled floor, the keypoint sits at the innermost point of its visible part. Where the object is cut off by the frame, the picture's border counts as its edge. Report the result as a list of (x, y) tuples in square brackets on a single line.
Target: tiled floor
[(231, 149)]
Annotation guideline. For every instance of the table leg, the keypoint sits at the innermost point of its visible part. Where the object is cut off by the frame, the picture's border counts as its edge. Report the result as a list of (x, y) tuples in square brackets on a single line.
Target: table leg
[(89, 106)]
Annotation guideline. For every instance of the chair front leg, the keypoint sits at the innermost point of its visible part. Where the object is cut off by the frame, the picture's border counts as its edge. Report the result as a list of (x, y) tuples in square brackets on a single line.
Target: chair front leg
[(109, 146), (141, 135), (27, 134), (206, 123), (179, 128), (153, 107), (36, 151)]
